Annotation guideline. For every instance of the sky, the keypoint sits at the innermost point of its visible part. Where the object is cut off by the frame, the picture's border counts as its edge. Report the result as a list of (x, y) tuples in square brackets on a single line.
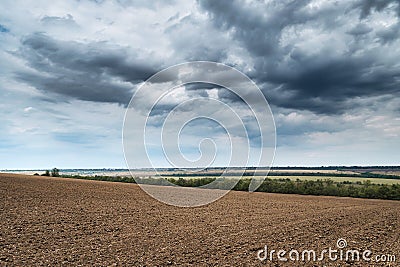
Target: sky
[(330, 71)]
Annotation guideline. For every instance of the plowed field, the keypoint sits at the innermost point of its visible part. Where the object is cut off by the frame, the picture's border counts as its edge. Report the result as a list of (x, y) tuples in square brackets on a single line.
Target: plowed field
[(58, 221)]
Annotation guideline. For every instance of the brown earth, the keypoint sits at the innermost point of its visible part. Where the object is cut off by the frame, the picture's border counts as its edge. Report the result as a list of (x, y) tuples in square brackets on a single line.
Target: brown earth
[(58, 221)]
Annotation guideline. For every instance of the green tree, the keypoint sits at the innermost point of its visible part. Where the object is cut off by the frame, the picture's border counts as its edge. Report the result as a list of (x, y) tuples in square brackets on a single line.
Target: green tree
[(55, 172), (47, 173)]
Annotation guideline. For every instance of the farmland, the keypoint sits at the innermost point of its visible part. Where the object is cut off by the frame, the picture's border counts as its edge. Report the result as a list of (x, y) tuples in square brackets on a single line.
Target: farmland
[(302, 181), (60, 221)]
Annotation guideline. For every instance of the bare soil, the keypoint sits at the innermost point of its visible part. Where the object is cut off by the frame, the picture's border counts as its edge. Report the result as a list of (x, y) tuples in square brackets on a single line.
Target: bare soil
[(66, 222)]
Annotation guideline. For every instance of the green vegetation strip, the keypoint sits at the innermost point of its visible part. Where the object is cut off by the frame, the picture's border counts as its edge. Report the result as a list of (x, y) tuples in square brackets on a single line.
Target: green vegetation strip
[(251, 173), (311, 178), (351, 187)]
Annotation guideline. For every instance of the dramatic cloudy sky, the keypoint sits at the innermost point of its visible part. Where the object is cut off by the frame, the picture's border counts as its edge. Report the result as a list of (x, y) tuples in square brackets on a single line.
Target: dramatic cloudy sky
[(330, 71)]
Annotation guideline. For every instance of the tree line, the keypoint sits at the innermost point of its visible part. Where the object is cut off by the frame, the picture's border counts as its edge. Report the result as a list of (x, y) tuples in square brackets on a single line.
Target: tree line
[(320, 187)]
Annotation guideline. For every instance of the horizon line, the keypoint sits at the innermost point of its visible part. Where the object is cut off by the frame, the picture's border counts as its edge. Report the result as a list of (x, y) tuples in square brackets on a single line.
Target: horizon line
[(219, 167)]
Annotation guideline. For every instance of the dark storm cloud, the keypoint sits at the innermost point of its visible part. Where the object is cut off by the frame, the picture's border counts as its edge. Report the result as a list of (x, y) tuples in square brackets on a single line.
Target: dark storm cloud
[(390, 34), (378, 5), (322, 79), (201, 86), (319, 77), (228, 95), (200, 89), (94, 72), (260, 34), (79, 86), (325, 86), (360, 29)]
